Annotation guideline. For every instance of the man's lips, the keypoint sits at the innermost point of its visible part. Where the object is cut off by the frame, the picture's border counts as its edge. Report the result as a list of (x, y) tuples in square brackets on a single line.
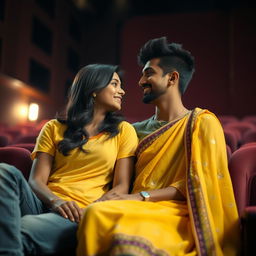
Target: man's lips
[(146, 88)]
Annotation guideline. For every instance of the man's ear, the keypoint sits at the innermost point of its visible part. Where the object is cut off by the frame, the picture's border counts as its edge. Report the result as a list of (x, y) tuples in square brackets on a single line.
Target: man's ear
[(173, 77)]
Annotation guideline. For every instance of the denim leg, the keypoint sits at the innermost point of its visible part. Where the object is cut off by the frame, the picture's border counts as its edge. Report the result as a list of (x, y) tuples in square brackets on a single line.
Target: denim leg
[(48, 233), (16, 200)]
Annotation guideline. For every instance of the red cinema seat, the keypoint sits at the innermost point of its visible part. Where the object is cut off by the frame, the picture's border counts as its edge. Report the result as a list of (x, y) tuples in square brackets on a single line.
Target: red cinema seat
[(242, 167), (19, 157)]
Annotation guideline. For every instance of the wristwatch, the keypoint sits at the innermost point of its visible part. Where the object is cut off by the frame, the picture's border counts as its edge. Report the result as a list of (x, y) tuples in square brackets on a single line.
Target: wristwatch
[(145, 195)]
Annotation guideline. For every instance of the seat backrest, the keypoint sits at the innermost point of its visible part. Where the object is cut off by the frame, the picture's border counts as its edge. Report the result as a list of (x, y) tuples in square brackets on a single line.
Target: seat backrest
[(249, 136), (229, 152), (231, 139), (19, 157), (28, 146), (26, 139), (250, 144), (4, 140), (225, 119), (241, 127), (251, 119), (242, 167)]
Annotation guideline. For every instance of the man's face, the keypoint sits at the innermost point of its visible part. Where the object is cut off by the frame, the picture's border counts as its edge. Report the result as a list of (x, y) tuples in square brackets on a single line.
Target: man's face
[(152, 81)]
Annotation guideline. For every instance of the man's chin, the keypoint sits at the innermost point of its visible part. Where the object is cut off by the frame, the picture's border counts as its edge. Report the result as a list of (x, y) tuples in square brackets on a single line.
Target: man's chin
[(147, 99)]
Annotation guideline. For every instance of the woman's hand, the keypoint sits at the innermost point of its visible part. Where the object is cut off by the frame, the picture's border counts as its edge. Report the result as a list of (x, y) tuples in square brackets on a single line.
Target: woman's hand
[(67, 209)]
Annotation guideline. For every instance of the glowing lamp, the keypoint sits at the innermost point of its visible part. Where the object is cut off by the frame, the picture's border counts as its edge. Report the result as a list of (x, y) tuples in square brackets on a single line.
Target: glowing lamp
[(33, 112)]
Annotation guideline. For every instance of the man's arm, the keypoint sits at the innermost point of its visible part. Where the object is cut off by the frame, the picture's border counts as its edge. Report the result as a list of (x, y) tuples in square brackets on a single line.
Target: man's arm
[(164, 194)]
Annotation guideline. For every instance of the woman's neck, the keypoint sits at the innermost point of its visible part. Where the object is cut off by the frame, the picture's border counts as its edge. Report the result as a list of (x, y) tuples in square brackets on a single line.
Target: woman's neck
[(93, 127)]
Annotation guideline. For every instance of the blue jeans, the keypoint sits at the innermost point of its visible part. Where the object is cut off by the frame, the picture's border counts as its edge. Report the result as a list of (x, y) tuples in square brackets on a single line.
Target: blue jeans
[(26, 225)]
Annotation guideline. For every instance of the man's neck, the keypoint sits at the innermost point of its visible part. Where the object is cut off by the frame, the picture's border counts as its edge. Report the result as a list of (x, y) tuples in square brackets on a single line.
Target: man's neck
[(171, 116), (170, 110)]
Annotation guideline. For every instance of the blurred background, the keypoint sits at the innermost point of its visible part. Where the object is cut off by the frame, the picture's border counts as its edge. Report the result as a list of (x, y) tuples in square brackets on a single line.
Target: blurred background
[(43, 43)]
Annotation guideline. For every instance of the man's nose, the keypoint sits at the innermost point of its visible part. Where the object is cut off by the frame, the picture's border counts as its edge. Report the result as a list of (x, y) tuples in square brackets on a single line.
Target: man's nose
[(142, 81)]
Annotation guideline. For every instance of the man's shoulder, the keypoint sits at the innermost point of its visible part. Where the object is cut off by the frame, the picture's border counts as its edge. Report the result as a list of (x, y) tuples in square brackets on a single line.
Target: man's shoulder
[(207, 118), (141, 124)]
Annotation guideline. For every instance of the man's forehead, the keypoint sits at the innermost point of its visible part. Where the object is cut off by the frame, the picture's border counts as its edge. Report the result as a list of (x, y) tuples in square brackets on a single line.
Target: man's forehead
[(151, 64)]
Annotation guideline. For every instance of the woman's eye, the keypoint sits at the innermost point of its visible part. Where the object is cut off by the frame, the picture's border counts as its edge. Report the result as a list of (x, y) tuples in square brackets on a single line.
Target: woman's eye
[(114, 84)]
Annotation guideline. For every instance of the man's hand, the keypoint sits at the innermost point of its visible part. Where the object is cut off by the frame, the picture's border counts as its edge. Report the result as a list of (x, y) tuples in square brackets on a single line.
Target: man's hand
[(116, 196), (67, 209)]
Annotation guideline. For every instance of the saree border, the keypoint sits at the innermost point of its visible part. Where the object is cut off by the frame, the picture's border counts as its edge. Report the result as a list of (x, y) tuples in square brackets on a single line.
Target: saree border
[(204, 237), (134, 245), (149, 139)]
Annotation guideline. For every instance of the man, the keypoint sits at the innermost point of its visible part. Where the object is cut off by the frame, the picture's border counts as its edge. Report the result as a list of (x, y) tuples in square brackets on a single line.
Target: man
[(182, 201)]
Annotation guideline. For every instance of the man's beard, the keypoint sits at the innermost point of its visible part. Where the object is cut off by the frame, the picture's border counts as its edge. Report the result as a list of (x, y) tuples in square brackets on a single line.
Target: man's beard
[(149, 97)]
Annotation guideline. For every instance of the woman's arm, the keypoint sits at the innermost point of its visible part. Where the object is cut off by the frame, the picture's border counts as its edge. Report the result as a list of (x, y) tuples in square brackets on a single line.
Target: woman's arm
[(38, 180), (123, 172)]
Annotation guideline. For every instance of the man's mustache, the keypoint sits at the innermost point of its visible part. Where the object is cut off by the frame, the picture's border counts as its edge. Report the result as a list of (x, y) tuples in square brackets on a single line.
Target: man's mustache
[(146, 86)]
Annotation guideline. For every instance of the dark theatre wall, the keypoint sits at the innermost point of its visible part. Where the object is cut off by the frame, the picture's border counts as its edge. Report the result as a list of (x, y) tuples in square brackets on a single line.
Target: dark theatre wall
[(224, 47)]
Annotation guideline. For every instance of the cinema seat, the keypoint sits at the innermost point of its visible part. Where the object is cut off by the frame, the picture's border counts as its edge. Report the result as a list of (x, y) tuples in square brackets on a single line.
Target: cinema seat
[(19, 157), (242, 167)]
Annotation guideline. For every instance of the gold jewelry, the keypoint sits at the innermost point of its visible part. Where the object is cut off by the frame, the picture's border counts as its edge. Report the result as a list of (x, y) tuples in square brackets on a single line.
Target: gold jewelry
[(94, 95)]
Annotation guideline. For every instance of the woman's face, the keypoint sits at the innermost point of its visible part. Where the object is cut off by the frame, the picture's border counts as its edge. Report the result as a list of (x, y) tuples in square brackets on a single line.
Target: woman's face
[(110, 98)]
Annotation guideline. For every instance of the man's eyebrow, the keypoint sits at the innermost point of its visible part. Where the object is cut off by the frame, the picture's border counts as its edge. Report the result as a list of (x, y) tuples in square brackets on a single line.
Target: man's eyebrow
[(147, 69)]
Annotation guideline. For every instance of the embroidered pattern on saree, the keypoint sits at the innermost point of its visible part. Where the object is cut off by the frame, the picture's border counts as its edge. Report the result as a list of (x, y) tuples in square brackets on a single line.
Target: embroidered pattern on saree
[(148, 140), (202, 224), (134, 245)]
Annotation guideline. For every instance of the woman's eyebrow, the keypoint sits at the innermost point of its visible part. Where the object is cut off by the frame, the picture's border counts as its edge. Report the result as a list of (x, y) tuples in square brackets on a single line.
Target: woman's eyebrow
[(114, 79)]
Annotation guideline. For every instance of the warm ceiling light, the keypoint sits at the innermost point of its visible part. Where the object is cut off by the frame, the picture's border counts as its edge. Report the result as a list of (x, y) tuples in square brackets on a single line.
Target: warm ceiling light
[(33, 112)]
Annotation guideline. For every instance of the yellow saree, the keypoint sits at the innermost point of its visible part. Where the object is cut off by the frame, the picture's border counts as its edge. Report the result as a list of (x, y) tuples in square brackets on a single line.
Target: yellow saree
[(189, 154)]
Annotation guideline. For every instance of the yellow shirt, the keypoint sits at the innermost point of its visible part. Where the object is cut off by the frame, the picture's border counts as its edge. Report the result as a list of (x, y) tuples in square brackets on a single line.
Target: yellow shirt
[(84, 177)]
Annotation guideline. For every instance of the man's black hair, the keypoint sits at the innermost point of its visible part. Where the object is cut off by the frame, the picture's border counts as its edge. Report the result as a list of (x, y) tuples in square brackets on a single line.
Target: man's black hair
[(172, 57)]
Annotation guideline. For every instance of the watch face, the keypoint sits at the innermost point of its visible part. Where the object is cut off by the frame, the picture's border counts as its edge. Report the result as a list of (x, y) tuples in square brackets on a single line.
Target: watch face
[(145, 194)]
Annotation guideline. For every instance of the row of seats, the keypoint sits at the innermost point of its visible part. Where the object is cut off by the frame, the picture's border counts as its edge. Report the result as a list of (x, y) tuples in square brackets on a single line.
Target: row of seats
[(238, 132), (242, 167), (240, 136), (22, 133), (22, 136), (225, 119)]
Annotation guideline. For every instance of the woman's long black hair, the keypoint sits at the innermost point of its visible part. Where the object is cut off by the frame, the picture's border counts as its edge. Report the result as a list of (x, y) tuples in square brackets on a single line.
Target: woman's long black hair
[(79, 112)]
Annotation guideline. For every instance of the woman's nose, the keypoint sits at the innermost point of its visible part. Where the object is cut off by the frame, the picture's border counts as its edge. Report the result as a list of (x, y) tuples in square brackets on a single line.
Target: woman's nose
[(122, 91)]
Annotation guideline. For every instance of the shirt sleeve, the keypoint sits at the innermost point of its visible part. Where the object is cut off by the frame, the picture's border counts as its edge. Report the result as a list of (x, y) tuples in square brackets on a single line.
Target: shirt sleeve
[(45, 140), (128, 141)]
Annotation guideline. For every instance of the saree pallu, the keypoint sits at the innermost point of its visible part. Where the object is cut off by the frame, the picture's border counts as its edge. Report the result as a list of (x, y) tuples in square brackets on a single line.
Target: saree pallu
[(188, 154)]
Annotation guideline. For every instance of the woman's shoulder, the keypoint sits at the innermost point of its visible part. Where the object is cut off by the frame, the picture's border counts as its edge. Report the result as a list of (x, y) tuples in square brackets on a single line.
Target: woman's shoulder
[(53, 124), (125, 126)]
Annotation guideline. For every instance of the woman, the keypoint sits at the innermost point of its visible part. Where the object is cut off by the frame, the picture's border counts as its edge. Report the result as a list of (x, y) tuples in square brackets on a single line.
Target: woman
[(75, 160)]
